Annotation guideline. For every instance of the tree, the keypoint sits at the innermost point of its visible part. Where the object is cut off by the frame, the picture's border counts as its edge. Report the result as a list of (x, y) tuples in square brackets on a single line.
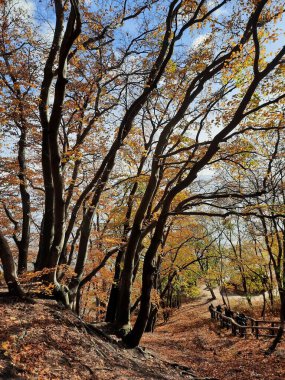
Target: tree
[(9, 268), (242, 109)]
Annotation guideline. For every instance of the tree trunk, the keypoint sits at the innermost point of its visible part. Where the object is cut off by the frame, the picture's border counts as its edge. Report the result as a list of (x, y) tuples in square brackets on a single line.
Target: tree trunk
[(47, 227), (23, 244), (152, 318), (53, 227), (264, 304), (282, 322), (114, 294), (133, 338), (211, 290), (9, 268)]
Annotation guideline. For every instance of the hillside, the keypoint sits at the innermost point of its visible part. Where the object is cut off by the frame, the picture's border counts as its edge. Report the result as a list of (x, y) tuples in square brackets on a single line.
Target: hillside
[(43, 341), (191, 339)]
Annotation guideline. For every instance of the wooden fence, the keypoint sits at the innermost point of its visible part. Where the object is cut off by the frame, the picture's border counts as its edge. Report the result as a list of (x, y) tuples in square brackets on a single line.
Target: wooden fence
[(255, 327)]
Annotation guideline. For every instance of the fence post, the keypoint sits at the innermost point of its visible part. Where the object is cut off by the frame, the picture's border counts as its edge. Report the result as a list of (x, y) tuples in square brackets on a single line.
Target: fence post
[(272, 331), (234, 331), (252, 325)]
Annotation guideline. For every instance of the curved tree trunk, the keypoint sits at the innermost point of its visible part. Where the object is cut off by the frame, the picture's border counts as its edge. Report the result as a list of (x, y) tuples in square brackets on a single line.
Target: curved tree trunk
[(9, 268)]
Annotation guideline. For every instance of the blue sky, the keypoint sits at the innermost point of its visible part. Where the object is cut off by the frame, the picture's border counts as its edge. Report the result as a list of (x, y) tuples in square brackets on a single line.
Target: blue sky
[(40, 12)]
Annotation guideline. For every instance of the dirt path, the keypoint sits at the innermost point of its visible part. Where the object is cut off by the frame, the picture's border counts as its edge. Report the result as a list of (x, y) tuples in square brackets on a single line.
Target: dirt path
[(191, 339)]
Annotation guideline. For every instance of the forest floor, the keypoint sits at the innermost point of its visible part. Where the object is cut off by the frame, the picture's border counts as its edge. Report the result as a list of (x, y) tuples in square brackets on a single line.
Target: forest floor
[(41, 341), (190, 338)]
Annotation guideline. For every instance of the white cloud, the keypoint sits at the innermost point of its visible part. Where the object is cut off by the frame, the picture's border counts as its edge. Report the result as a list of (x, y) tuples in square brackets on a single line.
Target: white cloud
[(220, 11), (47, 32), (26, 8), (200, 40)]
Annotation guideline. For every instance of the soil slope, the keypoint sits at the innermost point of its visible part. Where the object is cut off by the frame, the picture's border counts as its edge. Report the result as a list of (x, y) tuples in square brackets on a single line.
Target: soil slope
[(43, 341)]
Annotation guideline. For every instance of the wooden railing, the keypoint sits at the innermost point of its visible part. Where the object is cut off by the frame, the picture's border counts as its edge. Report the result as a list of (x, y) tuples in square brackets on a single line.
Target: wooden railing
[(255, 327)]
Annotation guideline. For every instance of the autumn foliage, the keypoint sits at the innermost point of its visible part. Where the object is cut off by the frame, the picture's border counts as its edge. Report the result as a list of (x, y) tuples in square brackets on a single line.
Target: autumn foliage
[(142, 153)]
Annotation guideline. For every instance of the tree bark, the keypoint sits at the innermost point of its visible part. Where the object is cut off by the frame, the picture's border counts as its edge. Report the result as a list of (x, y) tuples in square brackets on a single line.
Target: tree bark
[(47, 227), (23, 244), (282, 322), (152, 318), (9, 268), (53, 228), (114, 294)]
